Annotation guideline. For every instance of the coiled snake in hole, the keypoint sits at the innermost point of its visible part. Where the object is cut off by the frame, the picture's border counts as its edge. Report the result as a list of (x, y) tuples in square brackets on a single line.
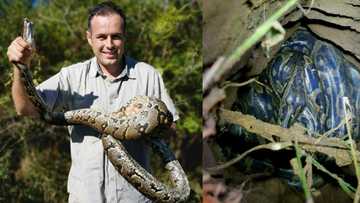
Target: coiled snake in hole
[(307, 82), (141, 116)]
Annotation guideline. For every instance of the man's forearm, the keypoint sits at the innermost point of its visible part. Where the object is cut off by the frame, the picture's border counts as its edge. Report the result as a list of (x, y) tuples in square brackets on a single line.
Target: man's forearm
[(23, 105)]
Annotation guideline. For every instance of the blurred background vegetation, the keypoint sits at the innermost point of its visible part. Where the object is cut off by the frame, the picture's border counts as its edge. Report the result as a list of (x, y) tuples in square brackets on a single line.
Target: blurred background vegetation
[(35, 157)]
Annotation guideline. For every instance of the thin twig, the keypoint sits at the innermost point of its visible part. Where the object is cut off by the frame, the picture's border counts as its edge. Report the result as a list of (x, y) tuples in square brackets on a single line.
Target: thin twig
[(272, 146), (348, 116), (301, 174), (234, 84), (307, 11), (344, 185)]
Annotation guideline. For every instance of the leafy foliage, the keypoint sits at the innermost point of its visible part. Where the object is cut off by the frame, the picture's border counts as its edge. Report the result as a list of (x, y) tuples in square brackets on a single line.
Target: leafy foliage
[(34, 157)]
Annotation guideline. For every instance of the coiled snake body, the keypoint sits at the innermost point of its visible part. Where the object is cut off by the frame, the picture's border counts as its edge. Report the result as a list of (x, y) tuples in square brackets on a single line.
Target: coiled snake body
[(307, 82), (141, 116)]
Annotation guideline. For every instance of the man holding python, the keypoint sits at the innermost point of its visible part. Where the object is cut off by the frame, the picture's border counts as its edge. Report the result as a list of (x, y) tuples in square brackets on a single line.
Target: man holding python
[(105, 83)]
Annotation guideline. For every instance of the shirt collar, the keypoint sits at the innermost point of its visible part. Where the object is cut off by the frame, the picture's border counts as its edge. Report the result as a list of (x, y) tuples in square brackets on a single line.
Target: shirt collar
[(96, 71)]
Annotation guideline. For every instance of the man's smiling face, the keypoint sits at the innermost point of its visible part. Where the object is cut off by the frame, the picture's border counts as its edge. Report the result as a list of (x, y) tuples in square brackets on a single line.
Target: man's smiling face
[(107, 38)]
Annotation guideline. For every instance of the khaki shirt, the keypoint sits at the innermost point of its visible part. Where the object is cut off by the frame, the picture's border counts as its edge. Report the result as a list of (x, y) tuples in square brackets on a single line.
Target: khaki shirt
[(92, 177)]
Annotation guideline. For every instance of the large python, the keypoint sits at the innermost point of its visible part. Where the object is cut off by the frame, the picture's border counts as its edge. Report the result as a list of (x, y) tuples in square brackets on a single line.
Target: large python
[(307, 82), (142, 116)]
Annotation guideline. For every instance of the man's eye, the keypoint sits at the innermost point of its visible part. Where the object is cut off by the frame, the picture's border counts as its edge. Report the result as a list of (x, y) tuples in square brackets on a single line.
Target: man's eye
[(118, 37), (101, 37)]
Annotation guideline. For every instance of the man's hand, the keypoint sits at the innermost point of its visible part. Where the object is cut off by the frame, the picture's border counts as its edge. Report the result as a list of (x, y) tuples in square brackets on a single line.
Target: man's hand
[(20, 51)]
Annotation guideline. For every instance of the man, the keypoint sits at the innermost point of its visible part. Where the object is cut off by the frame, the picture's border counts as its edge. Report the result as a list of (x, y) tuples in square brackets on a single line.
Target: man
[(105, 83)]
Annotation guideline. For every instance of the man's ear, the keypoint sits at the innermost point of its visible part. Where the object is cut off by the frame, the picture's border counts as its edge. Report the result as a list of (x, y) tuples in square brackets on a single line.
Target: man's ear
[(88, 37)]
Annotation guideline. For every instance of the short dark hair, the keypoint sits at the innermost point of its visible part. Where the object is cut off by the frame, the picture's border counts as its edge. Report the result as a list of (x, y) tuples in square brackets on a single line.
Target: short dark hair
[(106, 8)]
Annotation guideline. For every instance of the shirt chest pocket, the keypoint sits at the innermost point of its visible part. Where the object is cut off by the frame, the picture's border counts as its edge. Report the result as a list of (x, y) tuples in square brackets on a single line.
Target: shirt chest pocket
[(84, 101)]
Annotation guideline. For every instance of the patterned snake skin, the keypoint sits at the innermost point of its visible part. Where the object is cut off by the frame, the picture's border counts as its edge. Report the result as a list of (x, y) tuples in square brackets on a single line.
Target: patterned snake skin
[(306, 82), (141, 116)]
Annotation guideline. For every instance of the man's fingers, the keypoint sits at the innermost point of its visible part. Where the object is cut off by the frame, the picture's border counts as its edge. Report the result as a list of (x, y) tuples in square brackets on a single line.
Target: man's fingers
[(21, 42), (14, 55), (25, 50), (19, 51)]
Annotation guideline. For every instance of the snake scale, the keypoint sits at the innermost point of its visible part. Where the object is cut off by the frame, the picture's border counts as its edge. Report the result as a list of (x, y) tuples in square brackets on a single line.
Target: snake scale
[(142, 116)]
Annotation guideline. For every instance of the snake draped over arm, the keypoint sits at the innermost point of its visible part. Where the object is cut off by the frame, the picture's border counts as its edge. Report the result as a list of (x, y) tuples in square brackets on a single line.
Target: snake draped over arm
[(141, 116)]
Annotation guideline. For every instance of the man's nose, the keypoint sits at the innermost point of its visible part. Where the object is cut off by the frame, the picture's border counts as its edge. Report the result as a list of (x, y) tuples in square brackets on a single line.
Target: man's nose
[(109, 42)]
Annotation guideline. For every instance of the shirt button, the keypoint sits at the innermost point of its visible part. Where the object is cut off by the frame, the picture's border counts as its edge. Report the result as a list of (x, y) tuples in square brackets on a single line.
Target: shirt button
[(112, 94)]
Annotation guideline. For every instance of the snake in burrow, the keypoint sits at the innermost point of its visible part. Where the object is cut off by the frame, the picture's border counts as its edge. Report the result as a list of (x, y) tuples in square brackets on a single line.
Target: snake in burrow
[(142, 116), (307, 82)]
